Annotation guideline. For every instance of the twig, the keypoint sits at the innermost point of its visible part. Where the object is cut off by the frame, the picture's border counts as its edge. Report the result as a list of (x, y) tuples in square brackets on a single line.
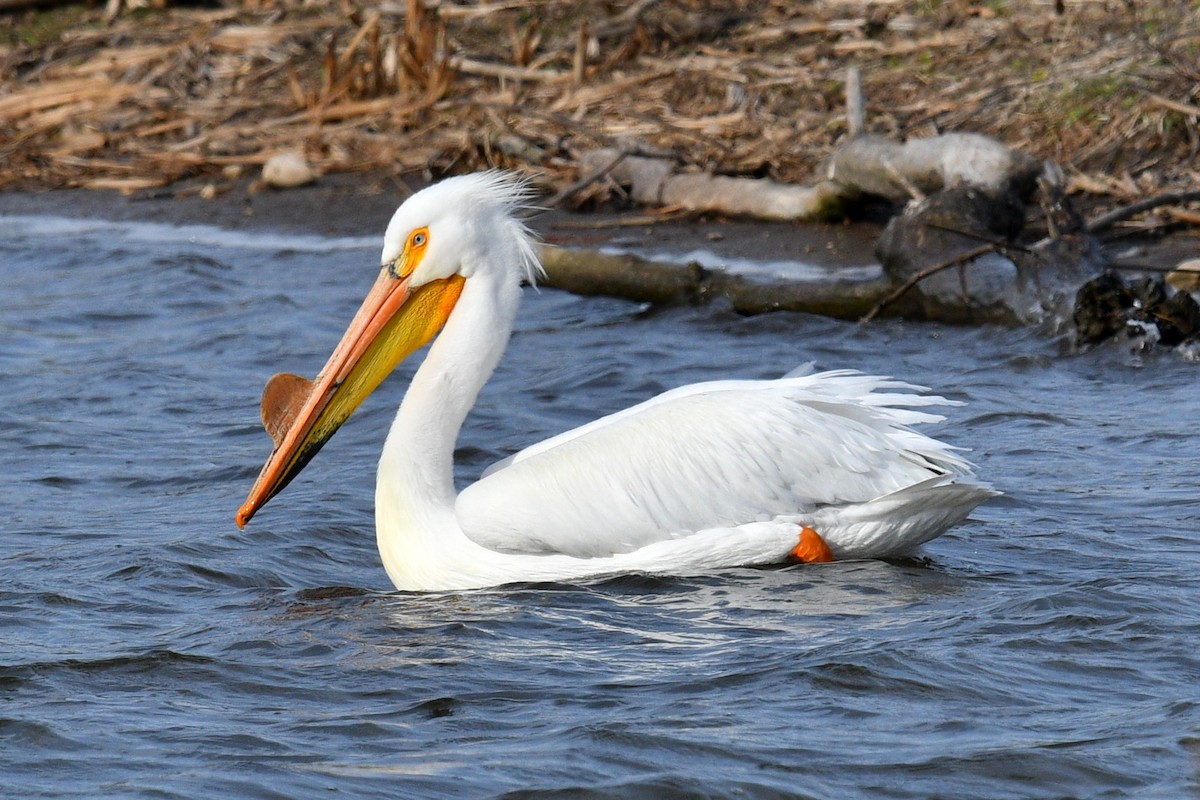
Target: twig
[(469, 66), (855, 116), (449, 11), (905, 183), (624, 21), (565, 122), (1130, 267), (1183, 215), (589, 179), (668, 214), (917, 277), (979, 237), (580, 63), (1105, 221), (1175, 105)]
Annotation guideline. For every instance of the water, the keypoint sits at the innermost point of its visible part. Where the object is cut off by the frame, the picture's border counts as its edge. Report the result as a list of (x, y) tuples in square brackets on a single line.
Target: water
[(1047, 649), (794, 270)]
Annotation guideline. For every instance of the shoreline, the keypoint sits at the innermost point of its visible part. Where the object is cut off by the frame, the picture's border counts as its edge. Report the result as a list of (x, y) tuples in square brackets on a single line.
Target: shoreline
[(353, 205), (348, 204)]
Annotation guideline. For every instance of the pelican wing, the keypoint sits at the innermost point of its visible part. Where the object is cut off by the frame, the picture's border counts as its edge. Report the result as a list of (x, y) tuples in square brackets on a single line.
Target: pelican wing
[(707, 456)]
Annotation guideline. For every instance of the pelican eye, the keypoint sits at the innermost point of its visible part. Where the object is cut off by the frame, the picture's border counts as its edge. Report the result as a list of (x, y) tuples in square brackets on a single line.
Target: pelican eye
[(414, 251)]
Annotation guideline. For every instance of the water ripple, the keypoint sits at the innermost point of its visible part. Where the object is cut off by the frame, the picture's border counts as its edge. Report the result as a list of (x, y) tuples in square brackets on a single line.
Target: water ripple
[(148, 648)]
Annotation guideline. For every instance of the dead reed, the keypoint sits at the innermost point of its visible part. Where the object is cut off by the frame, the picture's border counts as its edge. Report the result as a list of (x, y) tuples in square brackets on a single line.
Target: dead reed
[(157, 96)]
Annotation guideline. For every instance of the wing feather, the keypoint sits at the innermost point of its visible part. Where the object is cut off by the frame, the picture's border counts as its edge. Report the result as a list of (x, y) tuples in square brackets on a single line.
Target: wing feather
[(709, 455)]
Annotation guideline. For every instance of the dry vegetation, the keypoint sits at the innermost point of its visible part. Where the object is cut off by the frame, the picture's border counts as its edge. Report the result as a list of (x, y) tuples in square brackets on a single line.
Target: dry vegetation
[(1109, 88)]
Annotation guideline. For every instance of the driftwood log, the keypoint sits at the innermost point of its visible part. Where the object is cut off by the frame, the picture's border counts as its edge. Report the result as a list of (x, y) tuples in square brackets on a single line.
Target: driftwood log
[(589, 272), (654, 182), (863, 166)]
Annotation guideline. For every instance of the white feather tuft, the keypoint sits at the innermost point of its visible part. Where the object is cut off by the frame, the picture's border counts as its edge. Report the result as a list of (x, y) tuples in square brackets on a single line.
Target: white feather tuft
[(497, 195), (512, 195)]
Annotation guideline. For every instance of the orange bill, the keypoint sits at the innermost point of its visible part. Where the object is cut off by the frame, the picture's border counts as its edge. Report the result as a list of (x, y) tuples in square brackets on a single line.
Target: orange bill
[(394, 321)]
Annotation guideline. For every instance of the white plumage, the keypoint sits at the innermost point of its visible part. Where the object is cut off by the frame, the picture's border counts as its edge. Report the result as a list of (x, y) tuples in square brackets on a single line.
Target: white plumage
[(705, 476), (708, 455)]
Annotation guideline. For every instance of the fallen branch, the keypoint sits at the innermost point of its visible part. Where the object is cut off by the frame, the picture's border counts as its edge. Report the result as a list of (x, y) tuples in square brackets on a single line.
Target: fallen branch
[(587, 180), (867, 165), (588, 272), (900, 170), (653, 182), (1106, 221), (917, 277)]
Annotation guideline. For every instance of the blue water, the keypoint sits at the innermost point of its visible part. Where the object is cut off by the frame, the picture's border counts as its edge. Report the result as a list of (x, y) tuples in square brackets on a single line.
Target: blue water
[(148, 648)]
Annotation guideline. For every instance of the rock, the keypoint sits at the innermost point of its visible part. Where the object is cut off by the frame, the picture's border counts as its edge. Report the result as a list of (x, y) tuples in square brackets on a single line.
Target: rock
[(1100, 306), (1178, 319), (942, 227), (957, 244), (287, 170), (1107, 307)]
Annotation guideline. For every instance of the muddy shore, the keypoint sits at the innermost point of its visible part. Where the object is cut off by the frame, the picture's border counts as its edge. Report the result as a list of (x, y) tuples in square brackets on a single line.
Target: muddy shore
[(354, 205)]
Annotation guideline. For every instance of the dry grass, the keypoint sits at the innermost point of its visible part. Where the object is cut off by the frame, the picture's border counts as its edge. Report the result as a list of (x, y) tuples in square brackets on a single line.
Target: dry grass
[(1110, 89)]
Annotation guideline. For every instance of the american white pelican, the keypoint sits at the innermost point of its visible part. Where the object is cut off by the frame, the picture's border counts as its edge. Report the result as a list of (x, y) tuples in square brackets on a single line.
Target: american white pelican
[(721, 474)]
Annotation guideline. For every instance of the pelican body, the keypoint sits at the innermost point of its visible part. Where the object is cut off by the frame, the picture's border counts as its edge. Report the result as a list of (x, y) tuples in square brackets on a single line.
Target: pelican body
[(713, 475)]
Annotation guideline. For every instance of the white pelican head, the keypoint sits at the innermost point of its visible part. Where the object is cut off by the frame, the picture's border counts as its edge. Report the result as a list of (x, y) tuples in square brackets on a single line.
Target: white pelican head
[(440, 238), (457, 227)]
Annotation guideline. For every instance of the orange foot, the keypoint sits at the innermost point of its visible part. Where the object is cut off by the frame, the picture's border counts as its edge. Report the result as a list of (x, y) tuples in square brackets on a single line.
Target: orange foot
[(812, 548)]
